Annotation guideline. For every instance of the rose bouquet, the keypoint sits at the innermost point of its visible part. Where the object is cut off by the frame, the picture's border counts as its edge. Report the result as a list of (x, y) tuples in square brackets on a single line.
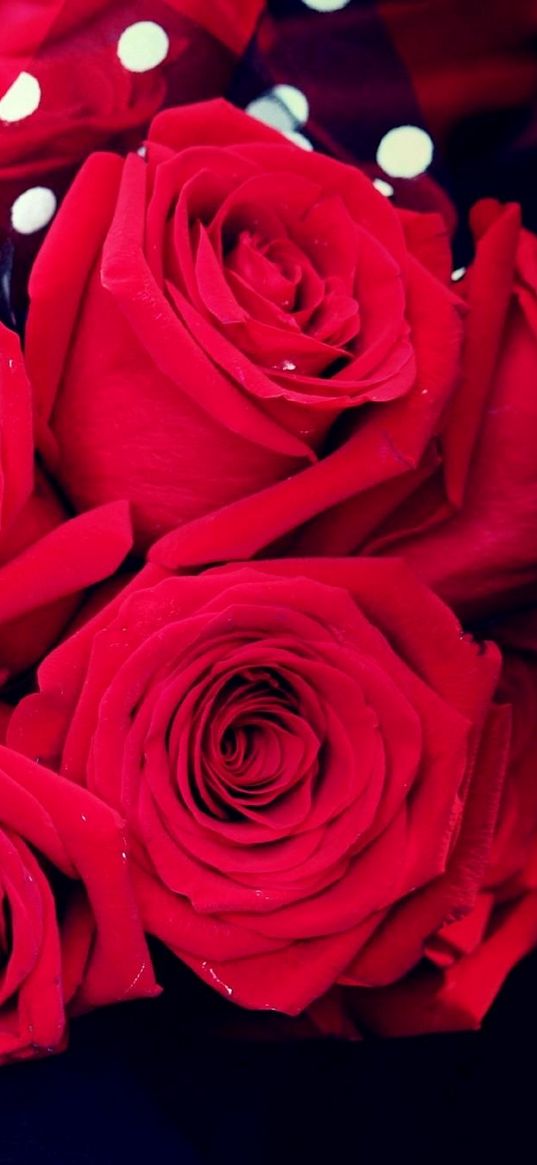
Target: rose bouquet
[(268, 554)]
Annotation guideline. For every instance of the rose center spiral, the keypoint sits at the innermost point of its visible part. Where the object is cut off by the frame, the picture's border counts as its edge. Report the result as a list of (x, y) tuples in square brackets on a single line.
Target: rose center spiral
[(253, 745)]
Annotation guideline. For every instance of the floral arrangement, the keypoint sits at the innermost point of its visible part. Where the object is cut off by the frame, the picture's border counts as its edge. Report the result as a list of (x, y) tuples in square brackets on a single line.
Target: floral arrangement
[(268, 544)]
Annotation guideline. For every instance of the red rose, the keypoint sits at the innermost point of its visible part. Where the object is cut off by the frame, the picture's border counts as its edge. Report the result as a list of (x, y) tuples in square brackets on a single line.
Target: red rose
[(468, 960), (470, 531), (16, 448), (465, 516), (70, 935), (46, 560), (309, 782), (257, 307)]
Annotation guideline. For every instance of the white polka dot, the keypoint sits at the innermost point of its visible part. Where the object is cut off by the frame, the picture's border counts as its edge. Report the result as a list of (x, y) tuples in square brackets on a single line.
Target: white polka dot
[(142, 151), (383, 187), (294, 100), (33, 210), (299, 140), (405, 151), (458, 274), (272, 113), (21, 99), (326, 5), (142, 46), (284, 108)]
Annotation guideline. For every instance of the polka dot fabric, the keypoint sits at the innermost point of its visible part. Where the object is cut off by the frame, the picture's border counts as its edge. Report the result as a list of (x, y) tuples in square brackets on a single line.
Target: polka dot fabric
[(436, 101), (438, 108), (87, 75)]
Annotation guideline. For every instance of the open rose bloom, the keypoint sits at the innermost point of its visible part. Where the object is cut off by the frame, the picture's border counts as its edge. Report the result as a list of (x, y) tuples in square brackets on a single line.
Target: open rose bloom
[(310, 785), (255, 306), (268, 552)]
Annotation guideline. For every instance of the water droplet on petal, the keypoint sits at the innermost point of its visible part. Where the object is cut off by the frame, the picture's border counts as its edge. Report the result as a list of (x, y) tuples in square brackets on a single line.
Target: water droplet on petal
[(284, 366)]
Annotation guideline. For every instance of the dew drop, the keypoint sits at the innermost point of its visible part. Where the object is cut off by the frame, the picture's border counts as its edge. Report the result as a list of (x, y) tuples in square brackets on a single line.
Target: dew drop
[(284, 366)]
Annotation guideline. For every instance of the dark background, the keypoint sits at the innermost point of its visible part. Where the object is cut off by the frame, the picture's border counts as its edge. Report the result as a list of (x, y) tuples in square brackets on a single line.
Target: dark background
[(151, 1082)]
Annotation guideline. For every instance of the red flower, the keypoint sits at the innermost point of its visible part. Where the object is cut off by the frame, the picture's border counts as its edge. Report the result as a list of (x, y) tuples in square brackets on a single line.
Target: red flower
[(70, 935), (46, 560), (467, 960), (465, 515), (309, 781), (247, 296)]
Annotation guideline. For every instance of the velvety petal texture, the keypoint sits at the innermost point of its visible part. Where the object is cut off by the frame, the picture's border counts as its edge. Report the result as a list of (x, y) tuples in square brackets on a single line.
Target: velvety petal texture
[(468, 958), (16, 444), (42, 587), (70, 934), (256, 307), (47, 560), (310, 784), (459, 502)]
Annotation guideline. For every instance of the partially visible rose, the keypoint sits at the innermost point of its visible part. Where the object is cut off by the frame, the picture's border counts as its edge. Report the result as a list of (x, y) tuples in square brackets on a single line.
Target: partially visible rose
[(42, 585), (465, 515), (259, 310), (467, 960), (70, 934), (63, 57), (47, 560), (16, 444), (309, 782), (87, 97), (87, 100), (471, 530)]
